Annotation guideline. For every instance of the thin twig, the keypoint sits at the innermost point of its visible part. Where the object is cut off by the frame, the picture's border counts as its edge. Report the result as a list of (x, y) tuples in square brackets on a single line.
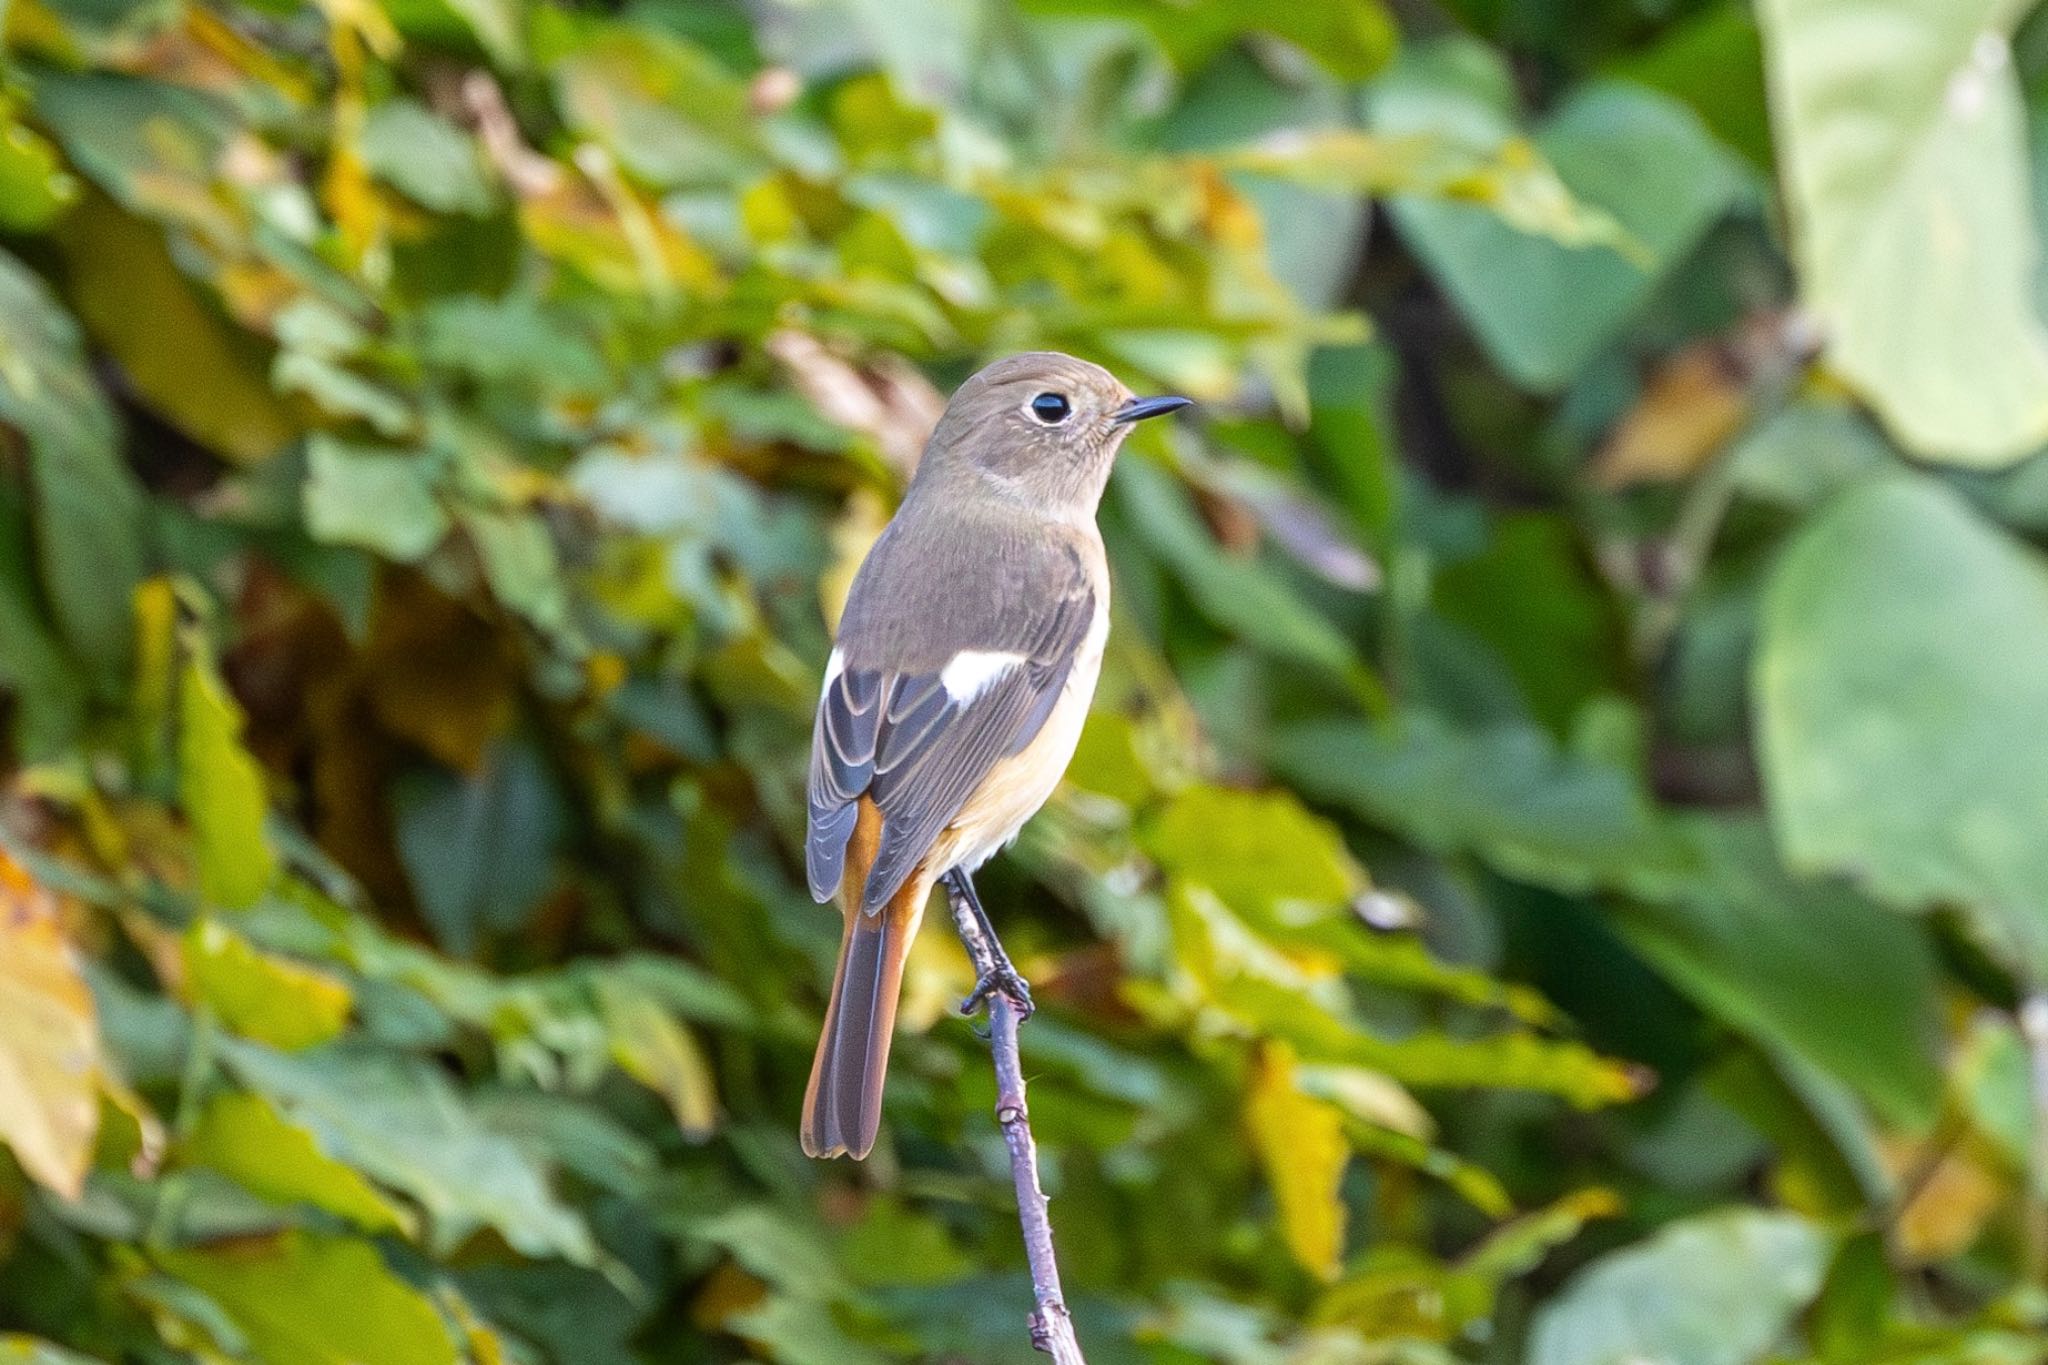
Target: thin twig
[(1052, 1327)]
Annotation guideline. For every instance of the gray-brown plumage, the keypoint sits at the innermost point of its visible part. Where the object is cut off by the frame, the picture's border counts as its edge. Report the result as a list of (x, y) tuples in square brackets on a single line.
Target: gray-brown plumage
[(966, 659)]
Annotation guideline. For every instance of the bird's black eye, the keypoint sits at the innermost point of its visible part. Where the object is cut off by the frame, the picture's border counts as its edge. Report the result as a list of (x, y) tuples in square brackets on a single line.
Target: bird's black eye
[(1051, 408)]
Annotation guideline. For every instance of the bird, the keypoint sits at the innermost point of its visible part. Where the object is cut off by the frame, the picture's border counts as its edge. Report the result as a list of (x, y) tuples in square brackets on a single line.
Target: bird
[(964, 664)]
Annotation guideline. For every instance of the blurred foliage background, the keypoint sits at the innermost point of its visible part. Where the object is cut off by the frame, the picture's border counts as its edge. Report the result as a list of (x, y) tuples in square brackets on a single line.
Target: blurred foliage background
[(1556, 871)]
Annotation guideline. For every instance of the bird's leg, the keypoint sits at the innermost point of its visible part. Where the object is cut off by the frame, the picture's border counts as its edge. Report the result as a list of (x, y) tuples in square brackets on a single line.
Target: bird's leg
[(991, 964)]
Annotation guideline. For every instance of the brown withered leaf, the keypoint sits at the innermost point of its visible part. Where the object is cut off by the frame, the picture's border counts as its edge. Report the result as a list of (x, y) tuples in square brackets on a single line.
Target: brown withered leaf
[(1693, 404), (435, 673), (884, 398)]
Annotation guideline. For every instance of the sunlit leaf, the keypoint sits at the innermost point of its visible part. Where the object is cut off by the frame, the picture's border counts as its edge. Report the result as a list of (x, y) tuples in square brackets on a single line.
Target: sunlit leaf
[(1903, 138), (260, 996), (1300, 1141), (662, 1055), (318, 1298), (221, 789), (242, 1137), (49, 1040), (184, 360), (34, 187), (1254, 849), (20, 1350)]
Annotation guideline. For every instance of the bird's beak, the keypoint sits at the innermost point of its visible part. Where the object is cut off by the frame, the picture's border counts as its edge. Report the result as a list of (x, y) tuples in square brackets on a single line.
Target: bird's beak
[(1138, 409)]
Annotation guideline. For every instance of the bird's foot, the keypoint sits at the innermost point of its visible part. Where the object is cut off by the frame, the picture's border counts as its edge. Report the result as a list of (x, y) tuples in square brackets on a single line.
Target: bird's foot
[(1004, 979)]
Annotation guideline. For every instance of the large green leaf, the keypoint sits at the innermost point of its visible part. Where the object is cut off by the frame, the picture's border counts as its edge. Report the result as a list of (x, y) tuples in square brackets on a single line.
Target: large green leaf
[(1543, 309), (1798, 964), (1793, 964), (316, 1299), (1900, 670), (1508, 794), (1715, 1290), (400, 1122), (1904, 145), (87, 510)]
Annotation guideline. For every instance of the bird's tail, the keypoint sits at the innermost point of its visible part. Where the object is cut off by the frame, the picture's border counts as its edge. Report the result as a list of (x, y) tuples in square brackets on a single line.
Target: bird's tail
[(843, 1106)]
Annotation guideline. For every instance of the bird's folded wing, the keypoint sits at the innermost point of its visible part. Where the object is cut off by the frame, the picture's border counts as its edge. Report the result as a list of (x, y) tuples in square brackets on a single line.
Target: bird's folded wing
[(918, 743)]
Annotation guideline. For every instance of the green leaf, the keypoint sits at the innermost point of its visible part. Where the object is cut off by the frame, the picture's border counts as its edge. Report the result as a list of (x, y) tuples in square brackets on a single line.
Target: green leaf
[(659, 1052), (1271, 993), (1714, 1290), (1900, 660), (1508, 794), (20, 1350), (1808, 451), (1257, 850), (1532, 595), (244, 1138), (316, 1299), (399, 1121), (665, 107), (1795, 964), (381, 500), (34, 187), (1714, 62), (1903, 139), (1351, 39), (521, 566), (1410, 1297), (221, 789), (86, 508), (480, 849), (1543, 309), (425, 158), (1239, 595), (269, 999)]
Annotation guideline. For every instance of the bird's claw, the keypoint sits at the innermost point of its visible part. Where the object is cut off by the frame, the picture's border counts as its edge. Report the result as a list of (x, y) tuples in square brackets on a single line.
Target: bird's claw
[(1005, 979)]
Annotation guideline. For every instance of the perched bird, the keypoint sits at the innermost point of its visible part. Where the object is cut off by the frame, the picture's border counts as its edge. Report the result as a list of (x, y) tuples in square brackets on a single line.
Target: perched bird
[(966, 659)]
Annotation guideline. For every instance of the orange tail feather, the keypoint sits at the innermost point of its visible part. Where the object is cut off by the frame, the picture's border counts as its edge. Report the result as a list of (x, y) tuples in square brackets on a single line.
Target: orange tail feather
[(843, 1105)]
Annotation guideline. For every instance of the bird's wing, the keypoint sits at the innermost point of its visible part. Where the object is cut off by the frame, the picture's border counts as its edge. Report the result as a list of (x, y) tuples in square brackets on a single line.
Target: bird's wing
[(918, 738)]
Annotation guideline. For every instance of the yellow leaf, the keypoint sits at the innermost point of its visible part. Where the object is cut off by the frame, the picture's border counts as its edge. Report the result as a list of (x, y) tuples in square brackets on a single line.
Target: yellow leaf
[(1300, 1141), (156, 672), (1951, 1203), (656, 1050), (221, 789), (259, 996), (49, 1040)]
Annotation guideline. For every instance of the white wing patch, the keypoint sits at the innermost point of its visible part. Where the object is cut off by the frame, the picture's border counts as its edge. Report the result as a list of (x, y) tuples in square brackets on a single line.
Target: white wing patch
[(968, 674), (834, 666)]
